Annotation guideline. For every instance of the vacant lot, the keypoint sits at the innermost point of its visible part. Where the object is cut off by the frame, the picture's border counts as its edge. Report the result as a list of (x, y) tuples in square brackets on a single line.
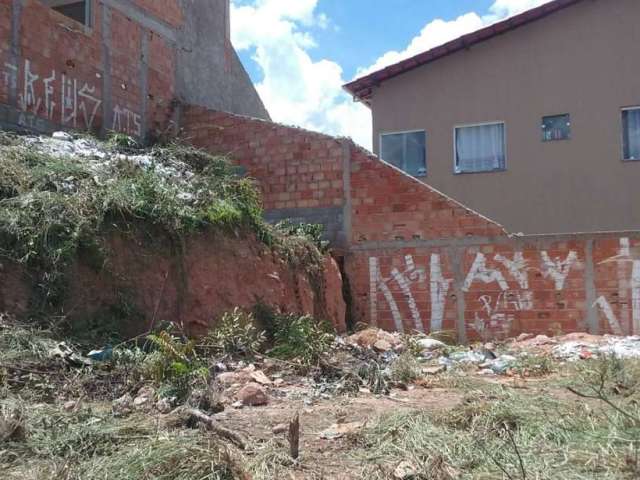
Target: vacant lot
[(165, 408)]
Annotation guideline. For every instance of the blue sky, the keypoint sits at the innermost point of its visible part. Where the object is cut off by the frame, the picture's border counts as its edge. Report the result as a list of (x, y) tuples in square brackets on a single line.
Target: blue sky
[(356, 39), (300, 52)]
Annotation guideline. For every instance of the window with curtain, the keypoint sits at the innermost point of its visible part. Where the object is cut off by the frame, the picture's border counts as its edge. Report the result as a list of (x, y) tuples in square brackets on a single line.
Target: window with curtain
[(480, 148), (556, 127), (407, 151), (631, 133)]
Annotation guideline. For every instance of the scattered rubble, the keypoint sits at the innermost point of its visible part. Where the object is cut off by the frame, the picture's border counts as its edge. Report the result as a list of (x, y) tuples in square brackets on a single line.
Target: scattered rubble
[(252, 395), (339, 430)]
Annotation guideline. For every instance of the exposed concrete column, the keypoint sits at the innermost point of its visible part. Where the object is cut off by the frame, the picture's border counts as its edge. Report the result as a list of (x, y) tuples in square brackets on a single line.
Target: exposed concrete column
[(144, 83), (346, 185), (107, 104), (14, 51), (590, 289), (455, 257)]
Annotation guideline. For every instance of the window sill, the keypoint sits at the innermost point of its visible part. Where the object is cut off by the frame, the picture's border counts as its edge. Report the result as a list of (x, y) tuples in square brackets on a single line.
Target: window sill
[(498, 170)]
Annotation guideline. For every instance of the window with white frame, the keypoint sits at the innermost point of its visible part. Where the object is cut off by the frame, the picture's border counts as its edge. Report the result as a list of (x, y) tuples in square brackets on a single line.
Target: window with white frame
[(480, 148), (79, 11), (405, 150), (631, 133)]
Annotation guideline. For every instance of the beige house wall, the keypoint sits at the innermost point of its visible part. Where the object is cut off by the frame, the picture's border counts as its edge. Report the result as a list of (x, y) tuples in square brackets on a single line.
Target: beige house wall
[(583, 60)]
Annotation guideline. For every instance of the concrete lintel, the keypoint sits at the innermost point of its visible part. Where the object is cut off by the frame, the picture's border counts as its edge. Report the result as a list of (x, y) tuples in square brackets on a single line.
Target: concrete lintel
[(330, 217), (440, 242), (12, 118), (144, 18)]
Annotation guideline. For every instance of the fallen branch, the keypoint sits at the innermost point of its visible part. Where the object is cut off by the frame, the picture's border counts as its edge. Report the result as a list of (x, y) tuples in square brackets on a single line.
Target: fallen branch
[(603, 398), (213, 426)]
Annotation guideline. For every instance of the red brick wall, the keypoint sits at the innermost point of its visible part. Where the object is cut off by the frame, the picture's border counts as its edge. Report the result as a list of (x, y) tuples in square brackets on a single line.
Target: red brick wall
[(418, 260), (553, 290), (168, 10), (126, 40), (295, 168), (390, 205), (161, 82), (60, 69)]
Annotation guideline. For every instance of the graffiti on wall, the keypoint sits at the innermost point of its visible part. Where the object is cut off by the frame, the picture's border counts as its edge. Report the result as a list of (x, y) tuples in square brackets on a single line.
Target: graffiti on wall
[(62, 99), (628, 270), (494, 313)]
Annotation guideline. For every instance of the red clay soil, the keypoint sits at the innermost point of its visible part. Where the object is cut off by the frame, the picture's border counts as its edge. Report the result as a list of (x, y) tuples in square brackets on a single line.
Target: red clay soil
[(145, 279)]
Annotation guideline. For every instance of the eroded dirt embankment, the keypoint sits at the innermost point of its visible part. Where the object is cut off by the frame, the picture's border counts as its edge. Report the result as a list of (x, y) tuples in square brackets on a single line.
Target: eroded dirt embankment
[(143, 279), (115, 237)]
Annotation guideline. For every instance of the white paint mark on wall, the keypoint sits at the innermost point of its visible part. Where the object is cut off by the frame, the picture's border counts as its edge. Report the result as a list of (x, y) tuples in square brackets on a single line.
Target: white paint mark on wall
[(610, 316), (439, 287), (127, 121), (88, 105), (479, 271), (635, 297), (374, 274), (625, 247), (10, 76), (558, 269), (78, 104), (27, 99), (405, 287), (379, 283), (517, 268)]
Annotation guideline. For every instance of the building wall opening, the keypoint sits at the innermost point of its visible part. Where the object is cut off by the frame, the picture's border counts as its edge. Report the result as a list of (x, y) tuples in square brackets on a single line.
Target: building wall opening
[(80, 11)]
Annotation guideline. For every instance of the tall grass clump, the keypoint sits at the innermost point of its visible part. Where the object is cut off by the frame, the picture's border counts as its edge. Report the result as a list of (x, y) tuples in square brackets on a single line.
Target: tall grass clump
[(502, 434)]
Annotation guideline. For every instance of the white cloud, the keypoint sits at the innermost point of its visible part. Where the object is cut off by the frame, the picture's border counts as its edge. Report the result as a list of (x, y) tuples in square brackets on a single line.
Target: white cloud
[(440, 31), (300, 91), (433, 34), (296, 89)]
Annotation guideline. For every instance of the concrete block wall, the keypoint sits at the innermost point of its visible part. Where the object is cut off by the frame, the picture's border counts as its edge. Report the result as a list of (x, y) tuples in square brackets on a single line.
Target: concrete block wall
[(125, 72), (417, 260)]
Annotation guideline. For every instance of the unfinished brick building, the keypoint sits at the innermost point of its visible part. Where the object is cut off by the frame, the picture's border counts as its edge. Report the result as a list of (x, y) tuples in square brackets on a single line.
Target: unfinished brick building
[(414, 258), (117, 65)]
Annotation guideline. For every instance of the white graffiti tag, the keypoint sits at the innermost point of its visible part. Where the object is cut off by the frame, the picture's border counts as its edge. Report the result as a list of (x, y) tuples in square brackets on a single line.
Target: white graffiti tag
[(628, 268), (405, 279), (479, 271), (517, 268), (439, 289), (499, 315), (558, 269)]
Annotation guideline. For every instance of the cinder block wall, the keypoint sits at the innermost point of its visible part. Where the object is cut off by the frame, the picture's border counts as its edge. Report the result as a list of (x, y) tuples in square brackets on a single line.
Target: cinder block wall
[(418, 260)]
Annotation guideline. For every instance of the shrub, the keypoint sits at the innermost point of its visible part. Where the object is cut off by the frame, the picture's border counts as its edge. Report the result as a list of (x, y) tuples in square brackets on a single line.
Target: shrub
[(310, 231), (301, 338), (174, 364), (405, 368), (236, 334)]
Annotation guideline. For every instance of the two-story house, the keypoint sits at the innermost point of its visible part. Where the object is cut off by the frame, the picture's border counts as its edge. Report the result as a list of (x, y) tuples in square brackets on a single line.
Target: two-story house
[(533, 121)]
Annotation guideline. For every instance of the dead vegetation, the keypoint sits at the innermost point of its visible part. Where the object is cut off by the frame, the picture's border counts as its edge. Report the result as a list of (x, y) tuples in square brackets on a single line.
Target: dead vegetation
[(170, 411)]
